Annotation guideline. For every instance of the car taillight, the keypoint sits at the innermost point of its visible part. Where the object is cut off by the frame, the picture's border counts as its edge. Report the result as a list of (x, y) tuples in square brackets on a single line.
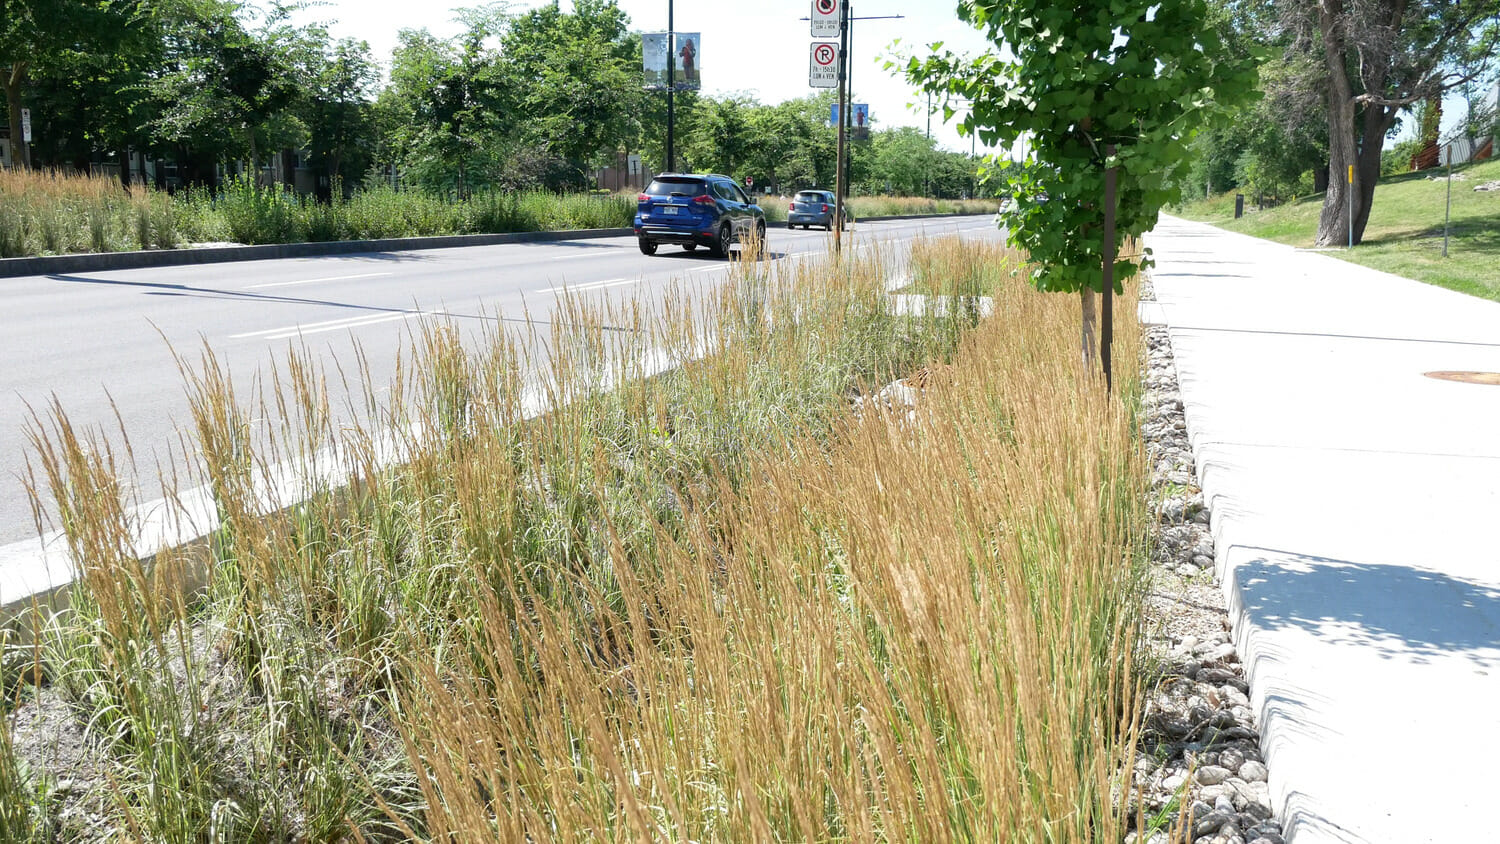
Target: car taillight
[(705, 199), (792, 207), (645, 197), (825, 209)]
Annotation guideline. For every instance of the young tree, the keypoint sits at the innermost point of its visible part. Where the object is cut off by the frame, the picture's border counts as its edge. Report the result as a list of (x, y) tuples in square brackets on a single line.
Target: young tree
[(1093, 86)]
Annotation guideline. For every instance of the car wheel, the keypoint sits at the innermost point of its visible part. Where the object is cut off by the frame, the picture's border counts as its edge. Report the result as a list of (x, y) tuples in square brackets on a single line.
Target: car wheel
[(648, 247), (791, 225), (760, 240), (720, 248), (688, 247), (829, 227)]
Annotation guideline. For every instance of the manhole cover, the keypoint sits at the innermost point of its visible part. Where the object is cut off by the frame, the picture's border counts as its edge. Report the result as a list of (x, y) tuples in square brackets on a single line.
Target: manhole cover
[(1491, 378)]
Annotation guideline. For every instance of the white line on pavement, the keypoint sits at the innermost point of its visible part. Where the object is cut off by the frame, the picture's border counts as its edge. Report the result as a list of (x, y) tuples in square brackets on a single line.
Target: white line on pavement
[(594, 285), (285, 332), (312, 280)]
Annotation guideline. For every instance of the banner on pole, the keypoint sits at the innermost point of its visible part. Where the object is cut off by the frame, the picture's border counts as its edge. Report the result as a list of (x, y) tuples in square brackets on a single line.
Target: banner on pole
[(687, 62)]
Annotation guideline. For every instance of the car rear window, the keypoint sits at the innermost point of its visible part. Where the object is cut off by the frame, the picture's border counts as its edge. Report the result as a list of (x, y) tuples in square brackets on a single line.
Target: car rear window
[(810, 196), (680, 187)]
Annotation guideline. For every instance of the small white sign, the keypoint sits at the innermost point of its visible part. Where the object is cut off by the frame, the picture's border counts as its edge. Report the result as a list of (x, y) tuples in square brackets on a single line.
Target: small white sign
[(825, 18), (823, 65), (26, 125)]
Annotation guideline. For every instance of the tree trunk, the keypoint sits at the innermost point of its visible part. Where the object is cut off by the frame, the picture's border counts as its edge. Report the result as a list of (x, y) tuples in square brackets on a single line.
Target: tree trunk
[(1333, 225), (1320, 178), (1375, 122), (12, 79), (1090, 345)]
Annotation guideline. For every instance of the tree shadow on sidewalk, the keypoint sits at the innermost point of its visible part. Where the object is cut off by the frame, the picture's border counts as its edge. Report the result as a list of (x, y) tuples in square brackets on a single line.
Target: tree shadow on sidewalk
[(1398, 610)]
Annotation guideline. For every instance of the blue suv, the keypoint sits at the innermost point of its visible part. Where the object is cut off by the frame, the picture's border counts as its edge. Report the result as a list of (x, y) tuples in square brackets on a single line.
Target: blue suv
[(693, 210)]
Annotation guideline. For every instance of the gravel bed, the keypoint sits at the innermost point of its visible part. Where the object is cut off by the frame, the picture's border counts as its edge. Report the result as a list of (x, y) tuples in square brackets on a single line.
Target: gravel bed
[(1199, 775)]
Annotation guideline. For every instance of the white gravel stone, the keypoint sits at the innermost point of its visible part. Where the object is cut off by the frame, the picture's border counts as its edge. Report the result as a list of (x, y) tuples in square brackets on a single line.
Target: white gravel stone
[(1253, 771), (1211, 775)]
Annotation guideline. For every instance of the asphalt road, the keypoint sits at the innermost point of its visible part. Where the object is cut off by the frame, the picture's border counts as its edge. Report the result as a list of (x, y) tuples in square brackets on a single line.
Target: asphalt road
[(103, 343)]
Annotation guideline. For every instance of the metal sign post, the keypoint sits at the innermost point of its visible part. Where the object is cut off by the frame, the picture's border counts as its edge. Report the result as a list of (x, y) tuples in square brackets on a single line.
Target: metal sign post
[(1349, 191), (839, 177), (829, 67)]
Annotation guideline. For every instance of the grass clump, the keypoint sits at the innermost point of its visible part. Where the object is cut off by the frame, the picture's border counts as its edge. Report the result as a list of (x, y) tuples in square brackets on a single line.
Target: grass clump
[(741, 599), (1405, 233), (50, 213)]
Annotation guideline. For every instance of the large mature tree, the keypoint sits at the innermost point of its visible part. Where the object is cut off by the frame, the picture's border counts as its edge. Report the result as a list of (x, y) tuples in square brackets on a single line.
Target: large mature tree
[(448, 108), (43, 31), (339, 110), (577, 78), (1378, 58), (227, 89)]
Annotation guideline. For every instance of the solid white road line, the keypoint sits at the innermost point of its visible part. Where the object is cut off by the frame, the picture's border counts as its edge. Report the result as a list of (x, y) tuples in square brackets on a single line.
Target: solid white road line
[(314, 280), (285, 332), (594, 285)]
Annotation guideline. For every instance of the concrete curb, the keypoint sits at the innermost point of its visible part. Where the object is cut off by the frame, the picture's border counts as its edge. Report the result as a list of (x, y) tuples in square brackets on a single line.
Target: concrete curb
[(94, 262)]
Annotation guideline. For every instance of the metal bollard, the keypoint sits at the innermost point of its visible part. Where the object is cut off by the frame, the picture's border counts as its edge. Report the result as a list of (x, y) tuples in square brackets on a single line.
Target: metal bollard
[(1239, 205)]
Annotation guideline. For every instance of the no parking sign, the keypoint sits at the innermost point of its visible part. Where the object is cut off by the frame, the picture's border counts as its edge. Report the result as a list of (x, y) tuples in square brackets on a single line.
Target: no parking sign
[(823, 69), (825, 18)]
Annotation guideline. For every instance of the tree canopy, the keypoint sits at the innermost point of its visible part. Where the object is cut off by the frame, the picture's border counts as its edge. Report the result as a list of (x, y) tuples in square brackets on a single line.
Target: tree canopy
[(1087, 87)]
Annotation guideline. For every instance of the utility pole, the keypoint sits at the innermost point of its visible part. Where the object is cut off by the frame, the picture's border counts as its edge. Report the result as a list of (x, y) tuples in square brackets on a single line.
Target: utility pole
[(839, 177), (671, 91), (845, 75)]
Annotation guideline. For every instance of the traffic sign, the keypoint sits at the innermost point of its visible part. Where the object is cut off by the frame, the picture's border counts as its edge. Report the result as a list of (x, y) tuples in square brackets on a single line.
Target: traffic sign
[(749, 181), (823, 67), (26, 125), (825, 18)]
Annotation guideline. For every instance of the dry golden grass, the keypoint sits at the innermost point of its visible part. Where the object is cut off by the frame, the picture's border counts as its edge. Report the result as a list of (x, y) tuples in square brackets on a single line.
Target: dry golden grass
[(46, 212), (715, 604)]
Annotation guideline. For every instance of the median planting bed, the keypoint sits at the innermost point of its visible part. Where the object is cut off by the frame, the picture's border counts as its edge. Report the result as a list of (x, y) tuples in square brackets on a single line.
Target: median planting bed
[(743, 599), (51, 214)]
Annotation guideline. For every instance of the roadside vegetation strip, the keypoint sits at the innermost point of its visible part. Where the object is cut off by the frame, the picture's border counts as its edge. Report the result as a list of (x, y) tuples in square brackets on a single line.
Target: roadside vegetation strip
[(1405, 232), (712, 604), (47, 214)]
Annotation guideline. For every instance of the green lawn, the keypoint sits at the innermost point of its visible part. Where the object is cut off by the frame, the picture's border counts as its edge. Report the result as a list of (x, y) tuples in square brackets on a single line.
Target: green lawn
[(1405, 234)]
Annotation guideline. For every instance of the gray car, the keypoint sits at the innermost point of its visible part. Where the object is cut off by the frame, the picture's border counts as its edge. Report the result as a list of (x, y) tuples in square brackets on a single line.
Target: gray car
[(813, 208)]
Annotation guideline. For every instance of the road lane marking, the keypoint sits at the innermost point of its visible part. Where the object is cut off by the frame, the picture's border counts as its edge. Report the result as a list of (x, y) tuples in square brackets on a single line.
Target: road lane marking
[(313, 280), (284, 332), (587, 287)]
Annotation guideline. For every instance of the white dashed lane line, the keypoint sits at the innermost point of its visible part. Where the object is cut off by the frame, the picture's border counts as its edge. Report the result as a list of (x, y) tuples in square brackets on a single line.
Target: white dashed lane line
[(315, 280), (286, 332)]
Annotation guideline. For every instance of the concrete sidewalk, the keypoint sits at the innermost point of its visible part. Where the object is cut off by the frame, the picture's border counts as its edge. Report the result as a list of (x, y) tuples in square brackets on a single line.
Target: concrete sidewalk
[(1356, 515)]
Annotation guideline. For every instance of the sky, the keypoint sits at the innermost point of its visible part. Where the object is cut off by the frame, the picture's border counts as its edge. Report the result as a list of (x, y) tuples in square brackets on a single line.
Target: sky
[(758, 47)]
